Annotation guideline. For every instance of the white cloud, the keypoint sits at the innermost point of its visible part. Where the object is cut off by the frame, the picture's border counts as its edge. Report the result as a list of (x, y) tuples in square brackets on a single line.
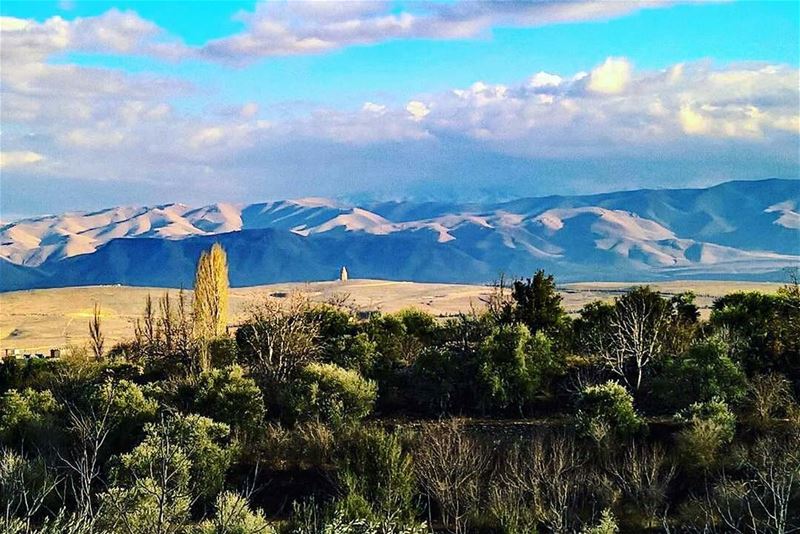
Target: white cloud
[(374, 108), (19, 158), (115, 31), (544, 79), (692, 122), (92, 138), (306, 27), (611, 77), (417, 109)]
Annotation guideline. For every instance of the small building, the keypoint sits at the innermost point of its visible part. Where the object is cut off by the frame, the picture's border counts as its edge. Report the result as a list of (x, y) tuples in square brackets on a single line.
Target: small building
[(343, 274)]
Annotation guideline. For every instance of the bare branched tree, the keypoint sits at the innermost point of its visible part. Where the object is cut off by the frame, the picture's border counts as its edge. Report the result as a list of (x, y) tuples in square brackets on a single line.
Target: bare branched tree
[(643, 473), (451, 467), (765, 499), (499, 302), (280, 338), (553, 471), (634, 336), (168, 320), (91, 427)]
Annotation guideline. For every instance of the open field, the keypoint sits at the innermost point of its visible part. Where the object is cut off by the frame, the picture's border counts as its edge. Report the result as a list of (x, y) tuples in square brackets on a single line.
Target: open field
[(38, 320)]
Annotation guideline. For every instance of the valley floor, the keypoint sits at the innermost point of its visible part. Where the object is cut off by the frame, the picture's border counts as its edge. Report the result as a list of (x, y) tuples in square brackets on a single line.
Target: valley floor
[(41, 319)]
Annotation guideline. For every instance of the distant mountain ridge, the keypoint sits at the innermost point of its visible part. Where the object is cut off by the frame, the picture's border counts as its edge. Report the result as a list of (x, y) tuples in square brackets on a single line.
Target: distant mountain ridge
[(745, 230)]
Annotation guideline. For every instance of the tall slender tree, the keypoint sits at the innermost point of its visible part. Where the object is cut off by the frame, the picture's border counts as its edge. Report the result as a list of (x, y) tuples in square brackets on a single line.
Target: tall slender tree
[(210, 305), (96, 337)]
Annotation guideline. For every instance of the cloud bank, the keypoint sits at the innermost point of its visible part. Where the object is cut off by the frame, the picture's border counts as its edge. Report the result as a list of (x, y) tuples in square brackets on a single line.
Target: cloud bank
[(83, 132)]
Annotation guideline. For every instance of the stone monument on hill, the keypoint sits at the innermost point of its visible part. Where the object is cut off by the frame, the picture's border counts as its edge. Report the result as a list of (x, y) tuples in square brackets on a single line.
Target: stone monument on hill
[(343, 274)]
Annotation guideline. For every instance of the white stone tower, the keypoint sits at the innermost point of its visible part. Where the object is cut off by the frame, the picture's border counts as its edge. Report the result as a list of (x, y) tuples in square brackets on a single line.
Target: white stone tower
[(343, 274)]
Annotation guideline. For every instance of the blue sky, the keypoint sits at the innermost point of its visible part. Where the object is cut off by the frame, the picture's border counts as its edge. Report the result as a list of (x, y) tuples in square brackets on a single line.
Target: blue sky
[(145, 102)]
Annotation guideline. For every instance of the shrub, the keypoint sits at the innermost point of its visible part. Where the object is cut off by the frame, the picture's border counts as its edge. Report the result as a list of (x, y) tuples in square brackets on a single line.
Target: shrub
[(228, 396), (307, 518), (769, 397), (710, 427), (128, 410), (331, 394), (234, 516), (376, 476), (223, 351), (606, 525), (126, 402), (27, 417), (417, 323), (355, 352), (27, 485), (452, 469), (606, 410), (195, 444)]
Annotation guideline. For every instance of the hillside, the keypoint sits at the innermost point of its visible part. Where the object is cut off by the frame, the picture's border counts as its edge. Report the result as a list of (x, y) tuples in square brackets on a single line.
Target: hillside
[(736, 230), (40, 319)]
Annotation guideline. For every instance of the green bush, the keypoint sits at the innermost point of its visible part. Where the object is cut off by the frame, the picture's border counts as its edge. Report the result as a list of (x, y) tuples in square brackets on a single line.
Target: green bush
[(766, 329), (228, 396), (355, 352), (234, 516), (331, 394), (201, 448), (128, 411), (606, 411), (710, 428), (28, 417), (375, 476), (514, 365), (704, 372)]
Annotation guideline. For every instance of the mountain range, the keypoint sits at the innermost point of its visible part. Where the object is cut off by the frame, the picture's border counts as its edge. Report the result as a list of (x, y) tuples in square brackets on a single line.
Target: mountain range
[(735, 230)]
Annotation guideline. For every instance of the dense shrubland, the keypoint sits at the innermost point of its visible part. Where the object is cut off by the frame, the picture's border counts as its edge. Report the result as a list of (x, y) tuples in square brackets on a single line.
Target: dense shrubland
[(629, 416)]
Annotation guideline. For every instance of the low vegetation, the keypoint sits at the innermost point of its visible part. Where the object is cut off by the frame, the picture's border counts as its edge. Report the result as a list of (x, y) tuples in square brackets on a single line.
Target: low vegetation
[(631, 416)]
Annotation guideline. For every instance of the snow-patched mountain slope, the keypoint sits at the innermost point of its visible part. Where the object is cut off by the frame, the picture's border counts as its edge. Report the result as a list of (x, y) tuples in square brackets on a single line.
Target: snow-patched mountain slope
[(736, 228)]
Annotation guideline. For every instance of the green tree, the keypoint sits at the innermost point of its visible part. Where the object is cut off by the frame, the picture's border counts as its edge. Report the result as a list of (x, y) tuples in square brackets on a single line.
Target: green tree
[(537, 303), (765, 330), (704, 372), (514, 365)]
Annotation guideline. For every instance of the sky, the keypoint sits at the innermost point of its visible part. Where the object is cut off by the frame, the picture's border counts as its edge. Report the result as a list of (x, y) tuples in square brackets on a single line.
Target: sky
[(143, 103)]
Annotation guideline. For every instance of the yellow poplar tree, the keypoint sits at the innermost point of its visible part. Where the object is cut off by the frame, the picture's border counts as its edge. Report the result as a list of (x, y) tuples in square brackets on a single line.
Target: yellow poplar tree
[(210, 304)]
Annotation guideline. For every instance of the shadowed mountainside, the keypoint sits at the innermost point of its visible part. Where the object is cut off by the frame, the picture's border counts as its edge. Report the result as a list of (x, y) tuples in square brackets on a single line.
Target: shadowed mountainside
[(736, 230)]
